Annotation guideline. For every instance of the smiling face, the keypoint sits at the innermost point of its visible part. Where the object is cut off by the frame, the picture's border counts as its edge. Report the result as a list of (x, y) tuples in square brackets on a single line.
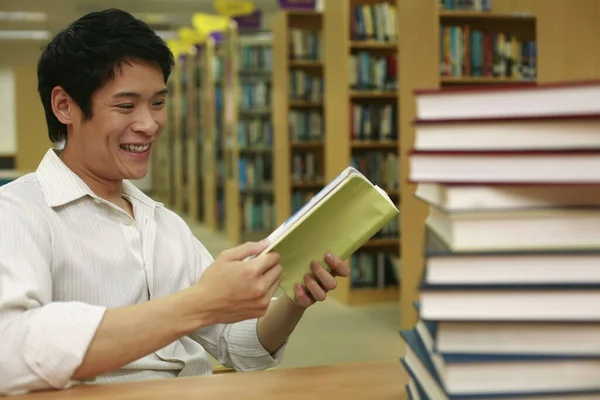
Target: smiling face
[(128, 115)]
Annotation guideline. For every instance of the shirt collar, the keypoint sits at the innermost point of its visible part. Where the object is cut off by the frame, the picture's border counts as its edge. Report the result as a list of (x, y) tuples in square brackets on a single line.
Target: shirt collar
[(62, 186)]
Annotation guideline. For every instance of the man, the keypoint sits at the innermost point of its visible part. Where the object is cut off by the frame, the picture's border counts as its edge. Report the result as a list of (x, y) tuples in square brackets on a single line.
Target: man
[(99, 283)]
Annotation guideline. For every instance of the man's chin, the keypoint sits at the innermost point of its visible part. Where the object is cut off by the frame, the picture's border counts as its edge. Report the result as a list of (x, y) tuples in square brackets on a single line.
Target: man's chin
[(135, 175)]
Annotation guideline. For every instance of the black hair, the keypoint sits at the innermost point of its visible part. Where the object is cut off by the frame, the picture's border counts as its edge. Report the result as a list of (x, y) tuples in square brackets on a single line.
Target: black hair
[(84, 56)]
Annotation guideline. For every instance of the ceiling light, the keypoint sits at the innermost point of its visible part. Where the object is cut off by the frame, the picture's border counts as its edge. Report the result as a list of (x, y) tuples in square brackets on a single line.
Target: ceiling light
[(24, 35), (23, 16)]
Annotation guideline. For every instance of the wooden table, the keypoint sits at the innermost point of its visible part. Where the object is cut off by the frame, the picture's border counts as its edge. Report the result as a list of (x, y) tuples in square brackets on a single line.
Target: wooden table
[(360, 381)]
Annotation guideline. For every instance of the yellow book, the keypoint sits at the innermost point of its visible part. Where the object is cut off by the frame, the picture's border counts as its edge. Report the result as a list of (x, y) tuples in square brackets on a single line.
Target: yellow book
[(339, 219)]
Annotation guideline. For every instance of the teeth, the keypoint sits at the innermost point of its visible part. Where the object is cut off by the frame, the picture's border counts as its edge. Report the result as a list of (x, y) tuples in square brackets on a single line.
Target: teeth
[(135, 149)]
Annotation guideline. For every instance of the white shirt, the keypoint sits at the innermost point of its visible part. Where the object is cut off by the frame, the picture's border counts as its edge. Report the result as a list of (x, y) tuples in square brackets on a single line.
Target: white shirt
[(67, 255)]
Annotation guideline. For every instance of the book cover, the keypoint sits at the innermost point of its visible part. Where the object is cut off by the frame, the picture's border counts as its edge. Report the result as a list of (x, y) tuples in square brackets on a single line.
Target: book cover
[(339, 219)]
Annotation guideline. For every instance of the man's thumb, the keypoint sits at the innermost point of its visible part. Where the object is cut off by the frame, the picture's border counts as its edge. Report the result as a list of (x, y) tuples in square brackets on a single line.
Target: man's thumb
[(246, 250)]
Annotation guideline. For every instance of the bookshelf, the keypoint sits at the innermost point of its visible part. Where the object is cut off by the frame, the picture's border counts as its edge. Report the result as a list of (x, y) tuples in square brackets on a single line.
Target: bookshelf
[(208, 122), (192, 135), (219, 118), (176, 137), (229, 133), (361, 113), (298, 109), (161, 157), (252, 218), (479, 46)]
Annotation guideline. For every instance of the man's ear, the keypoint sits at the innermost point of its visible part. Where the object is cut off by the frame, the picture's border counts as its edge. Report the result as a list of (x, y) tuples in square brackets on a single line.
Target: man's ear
[(62, 105)]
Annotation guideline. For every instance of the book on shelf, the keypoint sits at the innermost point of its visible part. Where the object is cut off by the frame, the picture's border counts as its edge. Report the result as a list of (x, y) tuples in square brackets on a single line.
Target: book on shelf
[(382, 167), (305, 45), (256, 57), (374, 22), (305, 87), (255, 133), (466, 5), (322, 225), (509, 298), (469, 52), (255, 95), (374, 270), (369, 72), (373, 122), (306, 125)]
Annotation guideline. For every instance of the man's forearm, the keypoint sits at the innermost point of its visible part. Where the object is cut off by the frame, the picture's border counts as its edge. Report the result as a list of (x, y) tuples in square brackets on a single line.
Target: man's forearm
[(278, 323), (129, 333)]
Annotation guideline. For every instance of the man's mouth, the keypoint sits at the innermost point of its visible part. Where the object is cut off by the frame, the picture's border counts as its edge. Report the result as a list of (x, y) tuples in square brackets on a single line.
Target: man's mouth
[(132, 148)]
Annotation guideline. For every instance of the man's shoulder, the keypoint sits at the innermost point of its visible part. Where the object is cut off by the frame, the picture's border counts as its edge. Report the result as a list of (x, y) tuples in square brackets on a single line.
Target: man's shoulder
[(25, 190), (23, 200), (170, 218)]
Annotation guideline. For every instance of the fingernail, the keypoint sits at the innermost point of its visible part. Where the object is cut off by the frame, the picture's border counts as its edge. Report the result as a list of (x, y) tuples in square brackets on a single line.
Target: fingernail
[(264, 242), (330, 257)]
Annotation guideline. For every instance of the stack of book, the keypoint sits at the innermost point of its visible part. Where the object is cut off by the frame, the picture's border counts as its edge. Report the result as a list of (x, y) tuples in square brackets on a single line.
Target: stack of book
[(510, 294)]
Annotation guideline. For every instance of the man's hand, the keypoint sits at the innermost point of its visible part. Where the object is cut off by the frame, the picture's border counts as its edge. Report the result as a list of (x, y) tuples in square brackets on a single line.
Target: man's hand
[(320, 281), (234, 290)]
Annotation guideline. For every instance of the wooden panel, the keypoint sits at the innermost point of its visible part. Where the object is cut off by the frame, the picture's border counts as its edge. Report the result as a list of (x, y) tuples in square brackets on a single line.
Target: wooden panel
[(337, 103), (192, 148), (209, 166), (280, 101), (567, 36), (31, 128), (417, 68), (233, 211), (515, 6), (175, 132)]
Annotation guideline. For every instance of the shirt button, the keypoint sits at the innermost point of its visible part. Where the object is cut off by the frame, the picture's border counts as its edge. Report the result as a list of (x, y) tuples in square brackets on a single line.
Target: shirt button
[(128, 222)]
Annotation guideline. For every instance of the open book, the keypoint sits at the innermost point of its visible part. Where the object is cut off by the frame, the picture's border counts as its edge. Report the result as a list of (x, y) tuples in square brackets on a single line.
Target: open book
[(339, 219)]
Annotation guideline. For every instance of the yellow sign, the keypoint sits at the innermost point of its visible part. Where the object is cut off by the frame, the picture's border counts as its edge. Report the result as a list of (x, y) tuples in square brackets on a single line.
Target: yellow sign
[(234, 8), (191, 36), (178, 47), (206, 23)]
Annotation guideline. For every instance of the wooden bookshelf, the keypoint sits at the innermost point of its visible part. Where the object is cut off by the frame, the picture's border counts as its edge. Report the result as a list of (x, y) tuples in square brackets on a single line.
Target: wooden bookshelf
[(487, 39), (298, 110), (219, 136), (176, 138), (208, 126), (232, 210), (361, 125), (162, 173), (252, 216), (192, 148)]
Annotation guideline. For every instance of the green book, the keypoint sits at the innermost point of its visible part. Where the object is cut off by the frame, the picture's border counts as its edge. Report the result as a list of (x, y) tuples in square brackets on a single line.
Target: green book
[(339, 219)]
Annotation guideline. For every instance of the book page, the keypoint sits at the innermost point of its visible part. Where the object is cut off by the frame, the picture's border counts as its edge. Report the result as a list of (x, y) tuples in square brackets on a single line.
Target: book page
[(279, 231)]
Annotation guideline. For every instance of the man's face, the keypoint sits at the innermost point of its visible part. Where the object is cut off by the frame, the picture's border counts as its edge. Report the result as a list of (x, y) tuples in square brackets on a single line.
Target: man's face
[(128, 115)]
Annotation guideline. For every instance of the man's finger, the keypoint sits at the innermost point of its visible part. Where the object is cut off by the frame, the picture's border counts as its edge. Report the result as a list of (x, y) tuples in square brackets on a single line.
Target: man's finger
[(326, 280), (338, 266), (272, 276), (316, 291), (265, 262)]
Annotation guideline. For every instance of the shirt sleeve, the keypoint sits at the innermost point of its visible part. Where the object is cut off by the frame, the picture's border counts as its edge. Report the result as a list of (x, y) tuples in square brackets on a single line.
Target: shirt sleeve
[(41, 342), (234, 345)]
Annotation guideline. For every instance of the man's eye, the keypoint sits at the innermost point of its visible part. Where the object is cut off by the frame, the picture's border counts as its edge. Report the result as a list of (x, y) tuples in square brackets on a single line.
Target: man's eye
[(159, 103), (126, 106)]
